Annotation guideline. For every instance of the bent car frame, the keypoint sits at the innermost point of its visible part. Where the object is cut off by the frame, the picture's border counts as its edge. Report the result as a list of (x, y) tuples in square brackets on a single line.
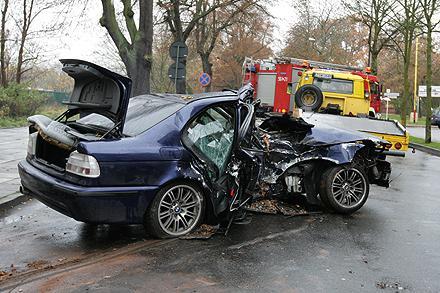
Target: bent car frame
[(170, 161)]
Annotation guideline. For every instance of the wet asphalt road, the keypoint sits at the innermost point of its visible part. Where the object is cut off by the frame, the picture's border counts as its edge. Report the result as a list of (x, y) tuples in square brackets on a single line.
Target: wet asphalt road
[(392, 242)]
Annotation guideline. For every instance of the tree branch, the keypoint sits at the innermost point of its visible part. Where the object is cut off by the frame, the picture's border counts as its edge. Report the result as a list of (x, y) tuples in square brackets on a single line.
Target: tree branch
[(129, 20), (108, 20)]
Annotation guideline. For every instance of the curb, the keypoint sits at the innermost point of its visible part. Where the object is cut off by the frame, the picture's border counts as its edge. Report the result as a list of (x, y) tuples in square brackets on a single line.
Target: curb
[(426, 149), (12, 200)]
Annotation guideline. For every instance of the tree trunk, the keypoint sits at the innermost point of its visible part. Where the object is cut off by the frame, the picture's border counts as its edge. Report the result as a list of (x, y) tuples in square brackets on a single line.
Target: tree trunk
[(137, 55), (373, 62), (207, 68), (428, 102), (406, 93), (24, 32), (4, 78), (138, 69)]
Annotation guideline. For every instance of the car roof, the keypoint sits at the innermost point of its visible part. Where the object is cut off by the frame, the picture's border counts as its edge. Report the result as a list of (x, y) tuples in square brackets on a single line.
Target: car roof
[(228, 95)]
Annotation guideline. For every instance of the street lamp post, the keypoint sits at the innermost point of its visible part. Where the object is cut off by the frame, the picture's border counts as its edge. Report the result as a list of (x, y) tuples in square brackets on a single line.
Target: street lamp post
[(415, 81)]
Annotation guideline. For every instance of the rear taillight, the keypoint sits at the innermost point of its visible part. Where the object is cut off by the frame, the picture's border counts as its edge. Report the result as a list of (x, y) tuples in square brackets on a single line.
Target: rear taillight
[(32, 142), (83, 165)]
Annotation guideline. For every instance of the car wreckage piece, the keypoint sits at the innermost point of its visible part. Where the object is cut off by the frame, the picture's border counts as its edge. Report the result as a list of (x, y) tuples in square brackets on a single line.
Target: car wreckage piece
[(172, 162)]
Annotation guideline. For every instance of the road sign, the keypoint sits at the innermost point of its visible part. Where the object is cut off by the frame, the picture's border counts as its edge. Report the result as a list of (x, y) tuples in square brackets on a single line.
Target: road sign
[(177, 71), (204, 79), (178, 50), (435, 91), (391, 95)]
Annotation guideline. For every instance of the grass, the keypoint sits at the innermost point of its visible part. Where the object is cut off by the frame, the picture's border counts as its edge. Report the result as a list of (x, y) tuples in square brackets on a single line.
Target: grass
[(51, 111), (435, 145), (420, 121)]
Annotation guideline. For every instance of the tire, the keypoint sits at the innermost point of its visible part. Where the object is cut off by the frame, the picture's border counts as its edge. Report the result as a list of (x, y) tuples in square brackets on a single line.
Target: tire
[(177, 209), (344, 189), (309, 97)]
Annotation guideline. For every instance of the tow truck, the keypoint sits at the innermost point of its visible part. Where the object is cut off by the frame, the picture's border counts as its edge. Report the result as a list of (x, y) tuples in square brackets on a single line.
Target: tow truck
[(285, 84)]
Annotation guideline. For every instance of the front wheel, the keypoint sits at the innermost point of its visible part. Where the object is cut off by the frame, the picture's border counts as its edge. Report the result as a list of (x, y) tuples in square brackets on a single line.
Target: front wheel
[(344, 189), (176, 210)]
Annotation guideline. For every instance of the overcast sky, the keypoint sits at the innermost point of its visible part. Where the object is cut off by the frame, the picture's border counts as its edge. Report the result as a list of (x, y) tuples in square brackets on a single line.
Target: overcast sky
[(81, 40)]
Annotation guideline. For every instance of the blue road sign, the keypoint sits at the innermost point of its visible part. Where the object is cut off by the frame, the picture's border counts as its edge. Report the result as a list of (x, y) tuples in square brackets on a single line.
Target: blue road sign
[(204, 79)]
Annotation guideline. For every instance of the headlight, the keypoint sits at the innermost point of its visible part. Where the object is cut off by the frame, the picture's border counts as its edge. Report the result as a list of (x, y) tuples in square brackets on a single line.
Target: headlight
[(83, 165), (32, 142)]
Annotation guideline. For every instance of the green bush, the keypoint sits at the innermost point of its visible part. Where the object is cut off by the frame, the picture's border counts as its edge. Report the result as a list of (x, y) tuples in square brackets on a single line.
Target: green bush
[(17, 100)]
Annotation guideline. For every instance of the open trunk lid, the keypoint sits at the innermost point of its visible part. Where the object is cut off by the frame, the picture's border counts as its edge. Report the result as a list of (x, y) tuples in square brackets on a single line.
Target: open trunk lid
[(97, 90)]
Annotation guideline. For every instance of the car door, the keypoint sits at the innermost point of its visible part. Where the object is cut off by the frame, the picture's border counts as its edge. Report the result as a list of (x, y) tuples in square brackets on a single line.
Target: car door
[(211, 137), (214, 138)]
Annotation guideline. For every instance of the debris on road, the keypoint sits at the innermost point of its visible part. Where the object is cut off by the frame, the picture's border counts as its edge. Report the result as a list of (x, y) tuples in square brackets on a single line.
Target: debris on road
[(273, 206), (291, 209), (38, 264), (265, 206), (384, 285), (204, 232)]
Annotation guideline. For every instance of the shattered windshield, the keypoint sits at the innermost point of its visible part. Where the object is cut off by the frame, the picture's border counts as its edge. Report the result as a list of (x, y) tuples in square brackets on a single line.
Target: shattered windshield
[(143, 113), (211, 135)]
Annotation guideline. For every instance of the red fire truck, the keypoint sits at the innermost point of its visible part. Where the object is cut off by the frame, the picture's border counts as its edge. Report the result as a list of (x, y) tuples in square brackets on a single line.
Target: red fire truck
[(276, 81)]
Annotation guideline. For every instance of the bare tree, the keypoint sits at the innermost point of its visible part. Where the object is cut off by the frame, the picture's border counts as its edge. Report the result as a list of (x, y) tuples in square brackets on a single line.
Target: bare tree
[(3, 76), (406, 19), (429, 7), (209, 27), (182, 16), (240, 41), (322, 34), (30, 12), (375, 15), (136, 53)]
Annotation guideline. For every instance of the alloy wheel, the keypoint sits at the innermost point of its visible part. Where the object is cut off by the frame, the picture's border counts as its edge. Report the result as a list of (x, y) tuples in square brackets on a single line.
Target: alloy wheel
[(179, 210), (349, 187)]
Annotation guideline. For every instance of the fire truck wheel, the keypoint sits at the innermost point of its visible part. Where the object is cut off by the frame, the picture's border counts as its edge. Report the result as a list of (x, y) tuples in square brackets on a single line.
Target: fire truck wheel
[(309, 97)]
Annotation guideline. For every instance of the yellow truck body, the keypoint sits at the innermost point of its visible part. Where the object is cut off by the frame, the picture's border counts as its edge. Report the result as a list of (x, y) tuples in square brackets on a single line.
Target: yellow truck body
[(339, 88)]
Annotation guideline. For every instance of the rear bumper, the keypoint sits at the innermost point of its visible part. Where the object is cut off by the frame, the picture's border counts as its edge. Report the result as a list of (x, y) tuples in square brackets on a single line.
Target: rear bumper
[(103, 205)]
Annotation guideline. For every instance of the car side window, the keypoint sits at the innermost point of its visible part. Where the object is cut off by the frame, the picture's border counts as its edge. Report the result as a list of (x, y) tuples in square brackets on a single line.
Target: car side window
[(211, 136)]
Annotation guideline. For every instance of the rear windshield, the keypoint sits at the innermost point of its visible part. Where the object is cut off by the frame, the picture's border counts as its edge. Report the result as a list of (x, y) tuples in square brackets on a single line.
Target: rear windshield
[(143, 113), (333, 85)]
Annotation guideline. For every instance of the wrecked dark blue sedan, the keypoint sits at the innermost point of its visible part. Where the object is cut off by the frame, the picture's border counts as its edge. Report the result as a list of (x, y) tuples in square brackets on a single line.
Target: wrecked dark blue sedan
[(170, 161)]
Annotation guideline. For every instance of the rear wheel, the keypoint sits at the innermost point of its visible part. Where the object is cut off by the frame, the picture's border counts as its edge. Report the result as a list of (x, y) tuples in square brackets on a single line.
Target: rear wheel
[(176, 210), (344, 189)]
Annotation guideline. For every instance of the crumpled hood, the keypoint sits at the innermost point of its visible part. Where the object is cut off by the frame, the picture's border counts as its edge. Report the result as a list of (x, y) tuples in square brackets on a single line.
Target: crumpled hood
[(327, 135)]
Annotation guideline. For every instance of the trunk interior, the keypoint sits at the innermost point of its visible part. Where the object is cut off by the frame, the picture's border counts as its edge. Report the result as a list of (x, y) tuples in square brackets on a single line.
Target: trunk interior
[(51, 154)]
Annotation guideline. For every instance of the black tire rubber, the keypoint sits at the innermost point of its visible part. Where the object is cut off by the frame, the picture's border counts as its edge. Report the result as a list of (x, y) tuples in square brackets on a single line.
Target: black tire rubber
[(306, 89), (151, 221), (326, 194)]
